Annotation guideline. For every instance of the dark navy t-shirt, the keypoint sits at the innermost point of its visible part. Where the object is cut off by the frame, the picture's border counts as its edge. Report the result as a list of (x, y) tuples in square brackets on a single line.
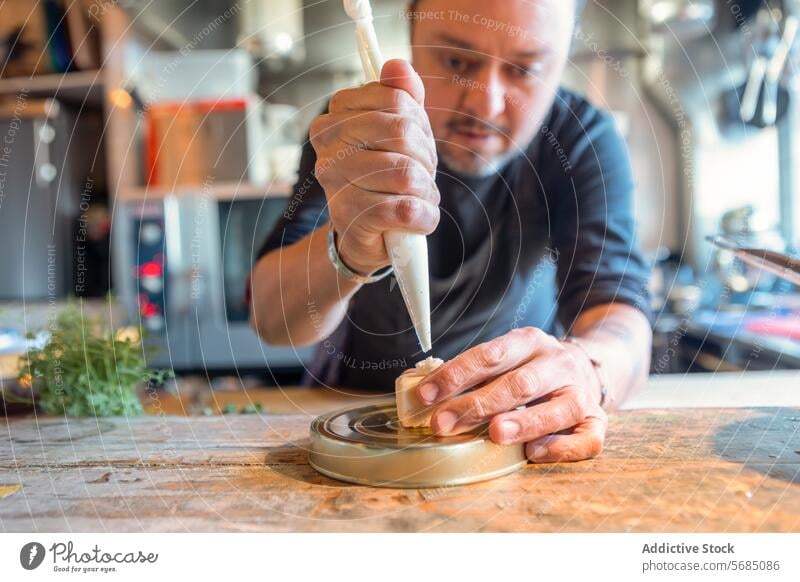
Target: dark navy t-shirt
[(548, 236)]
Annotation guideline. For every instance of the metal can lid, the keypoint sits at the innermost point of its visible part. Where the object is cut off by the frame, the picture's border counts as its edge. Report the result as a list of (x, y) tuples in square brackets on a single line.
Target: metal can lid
[(367, 445)]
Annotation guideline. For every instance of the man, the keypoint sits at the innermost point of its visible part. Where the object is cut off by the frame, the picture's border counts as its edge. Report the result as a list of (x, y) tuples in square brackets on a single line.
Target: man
[(525, 191)]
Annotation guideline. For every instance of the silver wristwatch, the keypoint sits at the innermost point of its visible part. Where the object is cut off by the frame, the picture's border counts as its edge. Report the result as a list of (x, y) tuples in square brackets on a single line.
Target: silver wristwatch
[(344, 270)]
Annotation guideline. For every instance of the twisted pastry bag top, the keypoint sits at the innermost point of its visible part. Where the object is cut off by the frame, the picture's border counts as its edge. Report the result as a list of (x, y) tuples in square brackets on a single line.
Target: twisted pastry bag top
[(549, 235)]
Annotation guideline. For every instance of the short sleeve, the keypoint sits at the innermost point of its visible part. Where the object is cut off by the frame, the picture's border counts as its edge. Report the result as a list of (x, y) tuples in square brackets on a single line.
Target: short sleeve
[(598, 258), (306, 209)]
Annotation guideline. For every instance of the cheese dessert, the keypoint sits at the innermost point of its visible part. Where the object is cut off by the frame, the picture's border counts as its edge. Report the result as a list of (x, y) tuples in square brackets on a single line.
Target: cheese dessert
[(412, 411)]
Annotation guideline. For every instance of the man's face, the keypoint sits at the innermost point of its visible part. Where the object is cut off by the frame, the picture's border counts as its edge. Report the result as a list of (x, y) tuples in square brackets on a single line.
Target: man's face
[(491, 71)]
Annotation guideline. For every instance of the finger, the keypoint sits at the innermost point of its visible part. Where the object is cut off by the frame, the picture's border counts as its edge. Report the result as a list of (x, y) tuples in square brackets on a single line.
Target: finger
[(585, 442), (399, 74), (390, 132), (379, 212), (372, 97), (391, 173), (564, 411), (378, 97), (381, 173), (354, 131), (482, 405), (483, 362)]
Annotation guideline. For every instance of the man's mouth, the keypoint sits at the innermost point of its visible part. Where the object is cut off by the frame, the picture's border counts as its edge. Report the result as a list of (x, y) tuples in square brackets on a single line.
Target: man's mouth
[(474, 134), (475, 137)]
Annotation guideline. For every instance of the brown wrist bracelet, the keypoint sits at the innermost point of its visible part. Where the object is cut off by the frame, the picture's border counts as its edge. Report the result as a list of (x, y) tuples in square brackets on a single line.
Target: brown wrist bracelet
[(596, 365)]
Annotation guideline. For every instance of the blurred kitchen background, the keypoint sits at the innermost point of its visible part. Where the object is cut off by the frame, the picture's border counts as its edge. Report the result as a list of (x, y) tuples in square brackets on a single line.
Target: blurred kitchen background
[(149, 147)]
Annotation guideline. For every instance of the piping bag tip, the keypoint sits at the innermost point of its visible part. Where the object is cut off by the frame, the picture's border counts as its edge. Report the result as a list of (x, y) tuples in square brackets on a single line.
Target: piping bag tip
[(425, 345), (409, 255)]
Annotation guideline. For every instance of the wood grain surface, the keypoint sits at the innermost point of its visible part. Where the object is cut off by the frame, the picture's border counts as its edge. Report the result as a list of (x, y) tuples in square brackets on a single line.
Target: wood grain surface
[(695, 470)]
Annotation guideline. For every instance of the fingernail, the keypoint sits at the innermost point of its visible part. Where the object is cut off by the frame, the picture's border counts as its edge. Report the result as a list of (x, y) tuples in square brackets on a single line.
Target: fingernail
[(429, 392), (538, 452), (446, 420), (510, 429)]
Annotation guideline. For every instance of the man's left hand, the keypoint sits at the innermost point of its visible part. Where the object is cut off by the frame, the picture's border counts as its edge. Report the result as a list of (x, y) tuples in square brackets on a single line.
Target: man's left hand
[(555, 382)]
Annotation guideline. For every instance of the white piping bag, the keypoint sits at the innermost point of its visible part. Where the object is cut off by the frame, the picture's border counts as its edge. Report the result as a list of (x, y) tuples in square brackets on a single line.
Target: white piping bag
[(408, 251)]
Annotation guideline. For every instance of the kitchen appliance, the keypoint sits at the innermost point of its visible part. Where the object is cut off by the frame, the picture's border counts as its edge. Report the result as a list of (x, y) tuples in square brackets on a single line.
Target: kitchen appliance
[(203, 117), (39, 198), (196, 75), (182, 258), (192, 141)]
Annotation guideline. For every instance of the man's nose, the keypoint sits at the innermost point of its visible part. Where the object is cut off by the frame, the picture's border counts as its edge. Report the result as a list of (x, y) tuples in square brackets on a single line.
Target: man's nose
[(485, 98)]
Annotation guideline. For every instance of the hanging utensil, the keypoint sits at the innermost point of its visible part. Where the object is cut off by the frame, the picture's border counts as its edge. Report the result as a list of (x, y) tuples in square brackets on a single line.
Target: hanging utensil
[(780, 264), (774, 70), (766, 38)]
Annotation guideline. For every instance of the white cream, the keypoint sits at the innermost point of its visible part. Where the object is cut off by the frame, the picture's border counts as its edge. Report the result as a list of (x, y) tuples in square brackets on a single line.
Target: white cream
[(408, 251), (428, 365), (412, 411)]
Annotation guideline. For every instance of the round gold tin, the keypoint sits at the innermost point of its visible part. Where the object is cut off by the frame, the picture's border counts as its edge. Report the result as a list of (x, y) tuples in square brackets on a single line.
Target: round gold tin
[(367, 445)]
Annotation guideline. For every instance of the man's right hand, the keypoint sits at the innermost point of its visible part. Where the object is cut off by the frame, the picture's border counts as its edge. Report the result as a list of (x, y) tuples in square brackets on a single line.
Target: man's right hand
[(376, 160)]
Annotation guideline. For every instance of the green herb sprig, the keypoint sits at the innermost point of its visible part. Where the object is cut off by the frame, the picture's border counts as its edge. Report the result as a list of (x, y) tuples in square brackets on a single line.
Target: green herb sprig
[(85, 370)]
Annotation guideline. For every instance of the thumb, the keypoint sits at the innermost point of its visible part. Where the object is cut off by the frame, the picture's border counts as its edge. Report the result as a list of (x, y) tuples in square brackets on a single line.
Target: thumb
[(400, 74)]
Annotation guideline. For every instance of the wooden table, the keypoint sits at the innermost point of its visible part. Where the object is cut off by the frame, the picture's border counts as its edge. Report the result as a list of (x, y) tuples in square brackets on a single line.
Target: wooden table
[(662, 470)]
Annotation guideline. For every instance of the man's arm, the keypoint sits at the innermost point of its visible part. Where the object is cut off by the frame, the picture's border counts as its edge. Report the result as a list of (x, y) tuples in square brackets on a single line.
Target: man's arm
[(602, 274), (298, 298), (529, 386), (619, 337), (373, 162)]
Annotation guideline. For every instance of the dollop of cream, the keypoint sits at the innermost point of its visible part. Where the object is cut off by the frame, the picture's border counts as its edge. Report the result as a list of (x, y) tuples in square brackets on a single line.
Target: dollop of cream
[(427, 365)]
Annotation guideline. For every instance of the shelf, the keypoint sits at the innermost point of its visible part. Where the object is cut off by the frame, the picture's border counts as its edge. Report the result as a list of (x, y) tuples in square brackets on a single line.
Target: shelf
[(78, 87), (220, 191)]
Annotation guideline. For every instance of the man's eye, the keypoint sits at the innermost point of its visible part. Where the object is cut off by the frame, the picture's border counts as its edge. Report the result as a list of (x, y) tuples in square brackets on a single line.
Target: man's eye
[(531, 70), (457, 64)]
